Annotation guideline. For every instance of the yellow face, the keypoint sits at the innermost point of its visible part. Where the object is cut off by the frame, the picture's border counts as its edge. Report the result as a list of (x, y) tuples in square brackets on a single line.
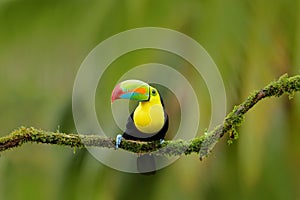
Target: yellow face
[(149, 115), (154, 96)]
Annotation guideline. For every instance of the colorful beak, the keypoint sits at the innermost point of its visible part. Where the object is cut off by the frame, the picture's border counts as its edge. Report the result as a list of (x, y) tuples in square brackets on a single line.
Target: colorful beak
[(131, 89)]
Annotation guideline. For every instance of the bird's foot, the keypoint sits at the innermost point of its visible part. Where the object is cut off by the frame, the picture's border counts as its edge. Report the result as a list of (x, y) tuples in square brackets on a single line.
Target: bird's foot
[(118, 140), (161, 141)]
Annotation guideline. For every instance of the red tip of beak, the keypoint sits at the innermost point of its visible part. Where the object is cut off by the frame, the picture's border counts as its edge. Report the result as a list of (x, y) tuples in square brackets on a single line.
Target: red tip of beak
[(117, 92)]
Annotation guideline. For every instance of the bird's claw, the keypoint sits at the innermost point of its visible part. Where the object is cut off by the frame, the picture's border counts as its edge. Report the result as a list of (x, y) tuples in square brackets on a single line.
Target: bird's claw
[(161, 141), (118, 140)]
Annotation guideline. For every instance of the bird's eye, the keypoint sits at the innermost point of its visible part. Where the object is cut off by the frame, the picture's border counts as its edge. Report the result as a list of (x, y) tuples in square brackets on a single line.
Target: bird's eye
[(153, 92)]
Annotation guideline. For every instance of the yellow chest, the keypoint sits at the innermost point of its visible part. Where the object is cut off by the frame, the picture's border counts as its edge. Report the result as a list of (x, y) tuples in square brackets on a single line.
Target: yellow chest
[(149, 118)]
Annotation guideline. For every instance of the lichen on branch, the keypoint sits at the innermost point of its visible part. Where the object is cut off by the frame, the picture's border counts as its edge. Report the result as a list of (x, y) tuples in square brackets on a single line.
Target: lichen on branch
[(202, 145), (284, 85), (33, 135)]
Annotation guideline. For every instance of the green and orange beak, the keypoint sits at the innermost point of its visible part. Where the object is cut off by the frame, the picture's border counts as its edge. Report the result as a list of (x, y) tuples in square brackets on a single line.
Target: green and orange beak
[(131, 89)]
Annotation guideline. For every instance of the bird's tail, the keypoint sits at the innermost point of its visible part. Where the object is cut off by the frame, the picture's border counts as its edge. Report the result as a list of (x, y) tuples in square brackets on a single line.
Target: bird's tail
[(146, 164)]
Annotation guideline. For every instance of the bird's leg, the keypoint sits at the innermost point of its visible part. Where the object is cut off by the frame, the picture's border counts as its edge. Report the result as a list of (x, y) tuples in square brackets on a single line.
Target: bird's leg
[(118, 140), (161, 141)]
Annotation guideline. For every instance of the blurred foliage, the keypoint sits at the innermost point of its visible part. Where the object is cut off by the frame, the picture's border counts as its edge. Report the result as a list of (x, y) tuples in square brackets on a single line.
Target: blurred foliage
[(43, 43)]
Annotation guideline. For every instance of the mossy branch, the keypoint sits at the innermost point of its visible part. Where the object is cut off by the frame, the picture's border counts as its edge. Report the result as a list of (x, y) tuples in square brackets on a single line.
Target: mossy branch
[(202, 145)]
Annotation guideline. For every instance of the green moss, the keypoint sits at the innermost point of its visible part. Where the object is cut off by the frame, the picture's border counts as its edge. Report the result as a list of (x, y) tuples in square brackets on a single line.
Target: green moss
[(202, 145)]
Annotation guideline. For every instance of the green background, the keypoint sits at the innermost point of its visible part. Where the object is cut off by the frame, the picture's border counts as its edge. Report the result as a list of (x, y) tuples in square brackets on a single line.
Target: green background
[(43, 43)]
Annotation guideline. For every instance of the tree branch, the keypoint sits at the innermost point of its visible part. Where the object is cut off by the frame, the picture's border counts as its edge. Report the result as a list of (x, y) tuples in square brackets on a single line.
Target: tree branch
[(202, 145)]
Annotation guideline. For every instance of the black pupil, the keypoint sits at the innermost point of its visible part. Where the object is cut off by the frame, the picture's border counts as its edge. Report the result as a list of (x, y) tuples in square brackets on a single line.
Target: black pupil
[(153, 92)]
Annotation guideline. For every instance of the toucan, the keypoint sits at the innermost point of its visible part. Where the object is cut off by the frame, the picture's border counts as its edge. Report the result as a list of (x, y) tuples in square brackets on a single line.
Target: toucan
[(148, 122)]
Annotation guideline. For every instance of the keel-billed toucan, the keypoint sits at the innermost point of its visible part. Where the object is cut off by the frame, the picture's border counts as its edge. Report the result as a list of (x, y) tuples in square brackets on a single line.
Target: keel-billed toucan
[(148, 122)]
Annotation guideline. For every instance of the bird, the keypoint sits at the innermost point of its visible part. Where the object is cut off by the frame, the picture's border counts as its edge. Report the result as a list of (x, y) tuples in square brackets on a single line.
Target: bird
[(148, 122)]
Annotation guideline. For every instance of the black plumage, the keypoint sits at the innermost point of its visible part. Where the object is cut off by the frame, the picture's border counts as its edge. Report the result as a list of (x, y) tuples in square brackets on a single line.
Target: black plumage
[(146, 162)]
